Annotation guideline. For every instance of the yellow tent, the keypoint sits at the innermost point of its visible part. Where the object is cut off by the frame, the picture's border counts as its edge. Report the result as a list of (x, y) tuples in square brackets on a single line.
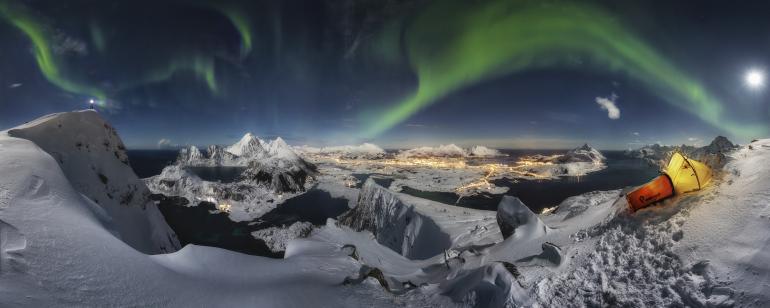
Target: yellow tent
[(686, 174), (680, 176)]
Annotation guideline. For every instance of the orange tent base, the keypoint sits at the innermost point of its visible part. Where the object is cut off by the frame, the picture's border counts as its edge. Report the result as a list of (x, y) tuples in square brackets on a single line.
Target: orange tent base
[(657, 189)]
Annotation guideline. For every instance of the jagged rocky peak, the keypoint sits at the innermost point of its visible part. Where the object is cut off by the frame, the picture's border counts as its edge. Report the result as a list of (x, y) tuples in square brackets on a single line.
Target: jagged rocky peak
[(219, 156), (720, 144), (189, 154), (281, 168)]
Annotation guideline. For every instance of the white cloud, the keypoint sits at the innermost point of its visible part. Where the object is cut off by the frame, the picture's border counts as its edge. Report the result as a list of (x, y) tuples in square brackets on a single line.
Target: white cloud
[(636, 133), (164, 143), (692, 139), (609, 104)]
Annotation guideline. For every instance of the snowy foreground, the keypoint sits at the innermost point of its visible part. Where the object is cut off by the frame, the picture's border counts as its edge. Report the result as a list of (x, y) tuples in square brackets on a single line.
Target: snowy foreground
[(59, 247)]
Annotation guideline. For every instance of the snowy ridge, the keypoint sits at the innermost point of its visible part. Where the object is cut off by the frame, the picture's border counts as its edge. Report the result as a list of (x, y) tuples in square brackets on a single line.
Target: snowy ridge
[(415, 227), (92, 156)]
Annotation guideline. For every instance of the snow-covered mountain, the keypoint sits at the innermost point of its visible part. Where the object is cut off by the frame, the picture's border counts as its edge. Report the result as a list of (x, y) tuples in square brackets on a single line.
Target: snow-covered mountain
[(273, 173), (248, 146), (584, 153), (92, 157)]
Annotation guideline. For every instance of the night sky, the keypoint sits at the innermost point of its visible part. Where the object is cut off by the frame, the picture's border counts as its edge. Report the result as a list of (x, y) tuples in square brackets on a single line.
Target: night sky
[(509, 74)]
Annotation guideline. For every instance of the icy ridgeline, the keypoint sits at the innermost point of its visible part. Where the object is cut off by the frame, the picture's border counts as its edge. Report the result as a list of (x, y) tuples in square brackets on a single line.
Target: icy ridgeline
[(273, 174), (92, 157), (713, 154), (418, 228)]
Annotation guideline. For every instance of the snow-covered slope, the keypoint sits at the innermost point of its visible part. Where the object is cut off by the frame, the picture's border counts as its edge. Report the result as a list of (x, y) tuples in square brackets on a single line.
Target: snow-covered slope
[(415, 227), (93, 158), (249, 145)]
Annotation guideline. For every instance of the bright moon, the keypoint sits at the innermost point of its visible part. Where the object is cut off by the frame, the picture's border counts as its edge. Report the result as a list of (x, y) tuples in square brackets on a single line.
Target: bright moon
[(755, 79)]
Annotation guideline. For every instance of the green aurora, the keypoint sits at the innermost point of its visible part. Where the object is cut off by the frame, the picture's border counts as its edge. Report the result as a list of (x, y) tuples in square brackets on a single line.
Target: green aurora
[(55, 69), (455, 45), (49, 64)]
